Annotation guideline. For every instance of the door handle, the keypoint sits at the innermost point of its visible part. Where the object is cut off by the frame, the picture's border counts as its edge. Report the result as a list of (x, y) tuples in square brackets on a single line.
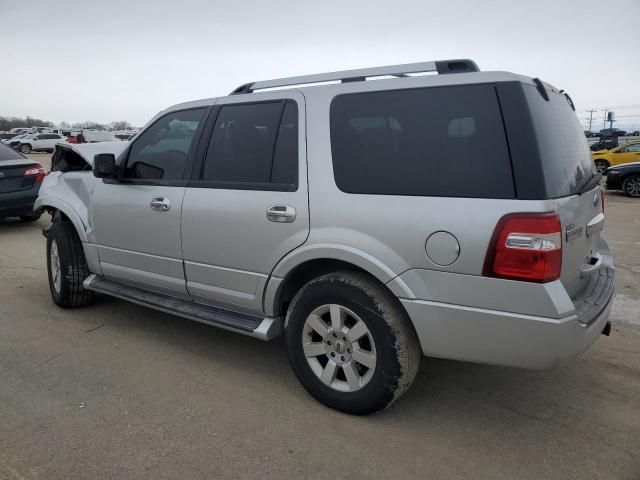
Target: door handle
[(160, 204), (281, 213)]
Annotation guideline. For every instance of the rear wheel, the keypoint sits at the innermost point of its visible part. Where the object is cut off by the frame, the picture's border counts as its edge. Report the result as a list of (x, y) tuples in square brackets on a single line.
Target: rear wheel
[(601, 166), (631, 186), (350, 343), (66, 266), (26, 148)]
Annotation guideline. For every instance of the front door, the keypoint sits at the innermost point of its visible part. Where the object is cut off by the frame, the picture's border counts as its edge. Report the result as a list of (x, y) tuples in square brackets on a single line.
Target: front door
[(136, 220), (247, 206), (627, 154)]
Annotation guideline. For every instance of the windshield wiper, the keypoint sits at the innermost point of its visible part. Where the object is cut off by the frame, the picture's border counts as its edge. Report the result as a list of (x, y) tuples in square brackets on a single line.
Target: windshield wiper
[(589, 184)]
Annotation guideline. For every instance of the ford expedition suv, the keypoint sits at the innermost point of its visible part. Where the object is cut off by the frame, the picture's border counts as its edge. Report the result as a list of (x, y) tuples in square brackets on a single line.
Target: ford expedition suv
[(371, 216)]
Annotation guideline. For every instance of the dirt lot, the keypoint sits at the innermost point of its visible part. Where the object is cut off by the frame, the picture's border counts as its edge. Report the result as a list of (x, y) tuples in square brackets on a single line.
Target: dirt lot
[(119, 391)]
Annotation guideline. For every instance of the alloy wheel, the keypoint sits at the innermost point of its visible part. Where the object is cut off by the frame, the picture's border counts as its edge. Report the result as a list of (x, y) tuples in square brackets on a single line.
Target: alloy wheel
[(339, 348)]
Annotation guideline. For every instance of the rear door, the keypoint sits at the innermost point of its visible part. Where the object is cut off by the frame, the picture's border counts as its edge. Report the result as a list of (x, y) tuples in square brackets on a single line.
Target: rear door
[(247, 205)]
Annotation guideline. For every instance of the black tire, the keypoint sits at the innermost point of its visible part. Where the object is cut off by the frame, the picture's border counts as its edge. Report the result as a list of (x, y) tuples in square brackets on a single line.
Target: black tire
[(601, 166), (29, 218), (631, 186), (73, 266), (26, 148), (397, 349)]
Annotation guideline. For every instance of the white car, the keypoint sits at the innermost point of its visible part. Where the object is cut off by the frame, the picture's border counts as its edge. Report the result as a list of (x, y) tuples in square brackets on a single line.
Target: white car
[(39, 142)]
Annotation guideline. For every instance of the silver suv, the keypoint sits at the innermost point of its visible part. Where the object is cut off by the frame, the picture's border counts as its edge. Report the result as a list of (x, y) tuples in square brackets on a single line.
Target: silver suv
[(372, 216)]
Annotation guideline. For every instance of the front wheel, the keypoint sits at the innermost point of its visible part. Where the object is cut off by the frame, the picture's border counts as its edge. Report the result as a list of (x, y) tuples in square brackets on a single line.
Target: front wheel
[(66, 266), (26, 148), (350, 343), (601, 166), (631, 186)]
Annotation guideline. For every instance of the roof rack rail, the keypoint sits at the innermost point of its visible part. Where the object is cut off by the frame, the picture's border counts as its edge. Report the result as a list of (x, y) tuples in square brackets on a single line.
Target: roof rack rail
[(440, 66)]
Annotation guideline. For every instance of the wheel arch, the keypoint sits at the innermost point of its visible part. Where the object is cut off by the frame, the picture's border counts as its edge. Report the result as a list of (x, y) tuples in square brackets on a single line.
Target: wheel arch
[(298, 268), (56, 206)]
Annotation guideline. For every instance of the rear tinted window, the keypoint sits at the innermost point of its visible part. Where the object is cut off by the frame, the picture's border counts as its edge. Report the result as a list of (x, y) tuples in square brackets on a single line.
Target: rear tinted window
[(8, 153), (564, 150), (442, 141)]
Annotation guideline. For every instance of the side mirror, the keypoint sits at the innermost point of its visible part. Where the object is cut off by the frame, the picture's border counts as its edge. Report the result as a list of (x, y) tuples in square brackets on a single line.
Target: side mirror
[(104, 166)]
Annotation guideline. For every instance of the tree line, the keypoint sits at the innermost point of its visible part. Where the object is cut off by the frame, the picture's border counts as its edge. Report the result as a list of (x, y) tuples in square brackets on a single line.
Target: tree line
[(7, 123)]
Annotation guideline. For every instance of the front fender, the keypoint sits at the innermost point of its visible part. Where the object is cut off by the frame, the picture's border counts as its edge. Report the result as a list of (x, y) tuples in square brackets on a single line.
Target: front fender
[(44, 201)]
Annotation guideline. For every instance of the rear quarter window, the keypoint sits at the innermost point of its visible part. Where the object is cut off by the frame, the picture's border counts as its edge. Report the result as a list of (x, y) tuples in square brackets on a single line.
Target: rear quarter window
[(439, 141)]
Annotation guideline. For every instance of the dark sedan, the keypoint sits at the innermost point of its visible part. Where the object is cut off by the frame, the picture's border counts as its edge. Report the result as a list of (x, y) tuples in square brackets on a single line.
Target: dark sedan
[(625, 177), (20, 180)]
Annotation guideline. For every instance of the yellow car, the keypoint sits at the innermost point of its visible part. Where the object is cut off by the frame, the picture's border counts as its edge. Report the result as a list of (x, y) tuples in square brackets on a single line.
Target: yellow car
[(627, 153)]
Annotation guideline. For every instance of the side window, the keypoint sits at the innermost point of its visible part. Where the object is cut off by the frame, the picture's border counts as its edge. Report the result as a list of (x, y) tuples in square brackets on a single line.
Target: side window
[(254, 145), (632, 148), (440, 141), (162, 150)]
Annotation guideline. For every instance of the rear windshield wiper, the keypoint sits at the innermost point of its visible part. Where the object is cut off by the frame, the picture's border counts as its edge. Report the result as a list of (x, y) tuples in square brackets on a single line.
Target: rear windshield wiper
[(589, 184)]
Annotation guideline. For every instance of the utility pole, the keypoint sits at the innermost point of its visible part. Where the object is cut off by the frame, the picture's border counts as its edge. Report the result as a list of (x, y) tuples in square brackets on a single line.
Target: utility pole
[(591, 112)]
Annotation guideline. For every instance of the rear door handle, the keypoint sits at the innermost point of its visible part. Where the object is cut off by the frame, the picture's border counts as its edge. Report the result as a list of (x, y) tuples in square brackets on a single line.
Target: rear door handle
[(160, 204), (281, 213)]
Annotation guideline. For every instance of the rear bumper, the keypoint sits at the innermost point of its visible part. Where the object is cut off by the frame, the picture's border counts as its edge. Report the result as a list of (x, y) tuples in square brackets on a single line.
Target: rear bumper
[(19, 203), (501, 338)]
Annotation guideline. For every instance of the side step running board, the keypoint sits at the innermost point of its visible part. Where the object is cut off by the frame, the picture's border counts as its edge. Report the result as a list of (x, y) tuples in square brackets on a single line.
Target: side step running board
[(262, 328)]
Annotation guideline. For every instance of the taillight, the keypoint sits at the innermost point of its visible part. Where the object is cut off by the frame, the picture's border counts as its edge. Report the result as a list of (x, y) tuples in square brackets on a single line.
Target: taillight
[(39, 172), (526, 246)]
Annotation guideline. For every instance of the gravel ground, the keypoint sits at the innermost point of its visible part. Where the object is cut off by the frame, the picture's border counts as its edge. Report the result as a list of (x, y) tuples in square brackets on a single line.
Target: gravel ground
[(118, 391)]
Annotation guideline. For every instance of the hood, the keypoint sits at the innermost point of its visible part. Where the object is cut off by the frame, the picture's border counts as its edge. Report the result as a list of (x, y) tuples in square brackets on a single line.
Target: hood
[(625, 165), (88, 150)]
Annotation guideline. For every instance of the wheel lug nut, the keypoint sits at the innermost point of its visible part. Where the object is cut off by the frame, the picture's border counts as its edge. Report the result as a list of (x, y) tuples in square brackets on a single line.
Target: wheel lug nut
[(328, 342), (342, 358), (333, 354), (335, 335)]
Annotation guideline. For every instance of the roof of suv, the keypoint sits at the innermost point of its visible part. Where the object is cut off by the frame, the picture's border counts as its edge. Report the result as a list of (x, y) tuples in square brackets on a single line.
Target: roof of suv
[(444, 72)]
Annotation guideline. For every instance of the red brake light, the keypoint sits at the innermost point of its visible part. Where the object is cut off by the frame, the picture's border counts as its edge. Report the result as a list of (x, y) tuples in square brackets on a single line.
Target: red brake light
[(526, 246), (40, 173)]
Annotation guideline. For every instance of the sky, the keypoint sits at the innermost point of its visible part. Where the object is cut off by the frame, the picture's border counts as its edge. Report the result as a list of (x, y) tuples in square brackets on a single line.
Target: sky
[(104, 60)]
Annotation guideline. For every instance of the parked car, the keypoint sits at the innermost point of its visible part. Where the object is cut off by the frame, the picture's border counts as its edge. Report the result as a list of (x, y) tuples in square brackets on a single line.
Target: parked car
[(635, 133), (589, 134), (627, 153), (336, 214), (39, 142), (20, 180), (20, 130), (15, 141), (7, 136), (626, 178), (605, 143)]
